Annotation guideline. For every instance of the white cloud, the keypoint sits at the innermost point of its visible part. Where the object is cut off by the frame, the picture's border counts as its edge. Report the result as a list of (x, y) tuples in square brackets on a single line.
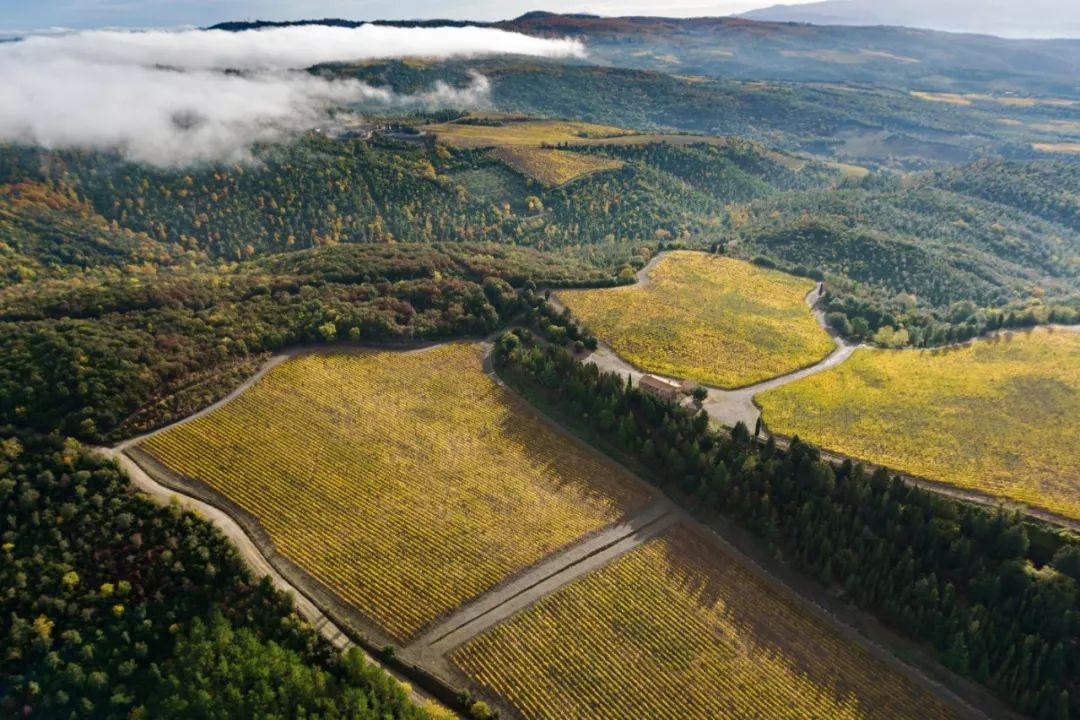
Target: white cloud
[(164, 97)]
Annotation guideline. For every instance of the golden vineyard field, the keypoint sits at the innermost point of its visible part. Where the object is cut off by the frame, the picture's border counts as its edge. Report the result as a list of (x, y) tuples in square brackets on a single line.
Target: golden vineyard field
[(708, 318), (679, 629), (408, 482), (554, 167), (1001, 416), (520, 131), (509, 130)]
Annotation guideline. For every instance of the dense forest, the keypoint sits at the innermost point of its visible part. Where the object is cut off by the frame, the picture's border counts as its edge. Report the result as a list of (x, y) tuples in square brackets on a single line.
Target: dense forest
[(996, 605), (854, 122), (115, 607)]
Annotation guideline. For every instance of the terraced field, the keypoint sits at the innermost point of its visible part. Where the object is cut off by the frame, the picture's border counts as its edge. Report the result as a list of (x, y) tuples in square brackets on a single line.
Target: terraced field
[(554, 167), (713, 319), (679, 629), (408, 483), (1000, 416)]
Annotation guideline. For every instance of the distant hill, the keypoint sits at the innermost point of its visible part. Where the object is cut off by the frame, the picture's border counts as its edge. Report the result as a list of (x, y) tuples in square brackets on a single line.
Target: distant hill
[(1006, 18), (895, 57), (746, 49)]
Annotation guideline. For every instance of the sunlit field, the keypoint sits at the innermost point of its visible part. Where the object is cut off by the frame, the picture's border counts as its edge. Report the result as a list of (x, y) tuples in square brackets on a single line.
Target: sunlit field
[(406, 482), (679, 629), (554, 167), (1000, 416), (713, 319), (501, 130), (515, 130)]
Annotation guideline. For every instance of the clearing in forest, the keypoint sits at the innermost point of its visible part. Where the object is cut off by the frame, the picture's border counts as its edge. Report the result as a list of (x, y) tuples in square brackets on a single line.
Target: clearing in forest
[(498, 131), (678, 628), (407, 482), (703, 317), (554, 167), (501, 130), (1001, 416)]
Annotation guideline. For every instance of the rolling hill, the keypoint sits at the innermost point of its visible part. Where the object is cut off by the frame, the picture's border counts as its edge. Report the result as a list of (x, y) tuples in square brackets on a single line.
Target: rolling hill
[(1040, 18)]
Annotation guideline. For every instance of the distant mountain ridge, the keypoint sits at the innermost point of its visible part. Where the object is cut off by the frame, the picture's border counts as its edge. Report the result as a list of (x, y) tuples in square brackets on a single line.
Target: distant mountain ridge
[(748, 49), (1004, 18)]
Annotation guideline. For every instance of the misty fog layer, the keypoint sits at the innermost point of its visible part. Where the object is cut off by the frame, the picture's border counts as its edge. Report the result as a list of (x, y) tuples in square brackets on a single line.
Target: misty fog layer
[(164, 98)]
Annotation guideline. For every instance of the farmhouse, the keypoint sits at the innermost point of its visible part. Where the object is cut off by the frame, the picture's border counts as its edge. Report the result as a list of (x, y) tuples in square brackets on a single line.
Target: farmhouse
[(660, 388)]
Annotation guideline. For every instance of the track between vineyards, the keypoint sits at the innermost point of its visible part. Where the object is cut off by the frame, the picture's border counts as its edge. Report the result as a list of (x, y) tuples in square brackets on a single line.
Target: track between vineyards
[(430, 651), (726, 406), (549, 575), (249, 551)]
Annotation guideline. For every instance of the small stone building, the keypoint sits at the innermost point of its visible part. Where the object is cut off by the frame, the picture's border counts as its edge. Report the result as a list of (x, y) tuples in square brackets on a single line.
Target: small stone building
[(660, 388)]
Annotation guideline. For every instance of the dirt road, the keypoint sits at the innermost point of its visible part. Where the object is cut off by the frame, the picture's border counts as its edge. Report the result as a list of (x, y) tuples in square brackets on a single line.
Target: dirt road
[(556, 571), (431, 648)]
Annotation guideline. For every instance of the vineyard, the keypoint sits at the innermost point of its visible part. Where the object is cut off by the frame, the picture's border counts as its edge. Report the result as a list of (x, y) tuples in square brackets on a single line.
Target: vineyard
[(554, 167), (1000, 416), (498, 131), (408, 482), (501, 130), (679, 629), (708, 318)]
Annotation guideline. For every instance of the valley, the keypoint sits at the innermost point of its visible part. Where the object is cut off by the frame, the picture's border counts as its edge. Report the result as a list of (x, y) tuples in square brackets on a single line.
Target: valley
[(558, 366)]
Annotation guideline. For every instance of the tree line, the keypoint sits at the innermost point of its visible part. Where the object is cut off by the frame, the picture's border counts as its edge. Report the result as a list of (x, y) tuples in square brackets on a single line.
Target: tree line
[(115, 607)]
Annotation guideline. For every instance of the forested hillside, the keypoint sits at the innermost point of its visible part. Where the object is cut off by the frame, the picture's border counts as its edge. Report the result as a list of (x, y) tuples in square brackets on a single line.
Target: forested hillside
[(50, 232), (116, 607), (905, 128), (1049, 190), (937, 264), (929, 259)]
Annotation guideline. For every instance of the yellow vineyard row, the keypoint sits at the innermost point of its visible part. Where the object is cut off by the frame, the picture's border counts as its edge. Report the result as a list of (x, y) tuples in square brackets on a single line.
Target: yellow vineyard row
[(713, 319), (408, 483), (1001, 416), (679, 629)]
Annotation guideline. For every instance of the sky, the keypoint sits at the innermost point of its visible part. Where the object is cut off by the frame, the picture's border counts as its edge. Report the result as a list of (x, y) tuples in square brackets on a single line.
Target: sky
[(40, 14)]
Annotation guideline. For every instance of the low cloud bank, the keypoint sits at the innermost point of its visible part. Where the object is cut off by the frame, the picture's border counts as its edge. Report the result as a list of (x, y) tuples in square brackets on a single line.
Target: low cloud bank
[(178, 98)]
